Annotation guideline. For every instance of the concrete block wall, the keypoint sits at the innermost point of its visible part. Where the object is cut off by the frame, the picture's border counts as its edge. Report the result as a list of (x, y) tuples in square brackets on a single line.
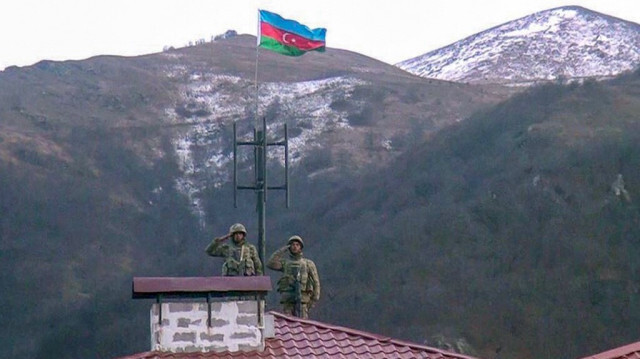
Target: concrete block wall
[(234, 327)]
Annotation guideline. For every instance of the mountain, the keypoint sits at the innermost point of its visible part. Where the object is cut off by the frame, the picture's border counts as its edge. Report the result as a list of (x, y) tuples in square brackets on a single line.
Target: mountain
[(504, 218), (559, 44), (112, 167), (196, 93)]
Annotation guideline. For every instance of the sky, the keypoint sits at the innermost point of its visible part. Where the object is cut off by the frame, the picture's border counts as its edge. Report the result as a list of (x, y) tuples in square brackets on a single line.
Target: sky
[(387, 30)]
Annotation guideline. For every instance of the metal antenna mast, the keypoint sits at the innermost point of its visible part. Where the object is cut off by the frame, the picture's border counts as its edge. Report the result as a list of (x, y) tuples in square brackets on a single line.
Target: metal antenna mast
[(260, 145)]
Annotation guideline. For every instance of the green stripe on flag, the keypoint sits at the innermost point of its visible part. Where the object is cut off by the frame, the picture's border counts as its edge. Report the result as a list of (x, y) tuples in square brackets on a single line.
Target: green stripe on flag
[(274, 45)]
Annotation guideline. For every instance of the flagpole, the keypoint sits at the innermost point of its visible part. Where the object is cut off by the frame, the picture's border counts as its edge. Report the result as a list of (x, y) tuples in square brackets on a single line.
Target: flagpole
[(256, 72), (256, 87), (260, 157)]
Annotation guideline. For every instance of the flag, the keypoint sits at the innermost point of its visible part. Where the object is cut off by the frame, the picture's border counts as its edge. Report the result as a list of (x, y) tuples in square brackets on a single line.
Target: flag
[(288, 37)]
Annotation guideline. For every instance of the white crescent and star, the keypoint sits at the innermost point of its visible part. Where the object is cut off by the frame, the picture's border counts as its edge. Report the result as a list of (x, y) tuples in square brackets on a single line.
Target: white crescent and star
[(284, 38)]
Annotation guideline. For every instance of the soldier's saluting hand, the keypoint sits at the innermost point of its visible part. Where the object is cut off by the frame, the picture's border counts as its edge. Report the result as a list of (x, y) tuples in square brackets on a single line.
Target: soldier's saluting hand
[(241, 258)]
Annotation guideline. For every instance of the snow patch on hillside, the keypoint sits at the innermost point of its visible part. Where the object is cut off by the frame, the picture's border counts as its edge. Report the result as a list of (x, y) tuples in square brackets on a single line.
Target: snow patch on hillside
[(210, 103)]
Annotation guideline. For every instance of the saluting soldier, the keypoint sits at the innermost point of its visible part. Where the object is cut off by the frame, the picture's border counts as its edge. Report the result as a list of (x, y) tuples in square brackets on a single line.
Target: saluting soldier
[(299, 286), (241, 258)]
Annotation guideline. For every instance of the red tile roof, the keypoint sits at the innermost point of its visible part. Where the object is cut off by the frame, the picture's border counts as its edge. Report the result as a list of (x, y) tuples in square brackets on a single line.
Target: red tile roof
[(303, 338), (630, 351)]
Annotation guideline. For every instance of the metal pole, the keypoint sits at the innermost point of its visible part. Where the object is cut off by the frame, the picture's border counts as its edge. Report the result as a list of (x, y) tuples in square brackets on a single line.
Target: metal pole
[(256, 80), (286, 164), (264, 157), (261, 189), (235, 166)]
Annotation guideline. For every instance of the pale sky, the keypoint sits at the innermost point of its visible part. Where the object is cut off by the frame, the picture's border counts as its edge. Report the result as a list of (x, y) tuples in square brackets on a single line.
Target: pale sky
[(388, 30)]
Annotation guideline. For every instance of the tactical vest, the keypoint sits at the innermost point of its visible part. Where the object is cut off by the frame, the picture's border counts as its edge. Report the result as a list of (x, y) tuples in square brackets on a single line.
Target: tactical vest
[(295, 270), (239, 262)]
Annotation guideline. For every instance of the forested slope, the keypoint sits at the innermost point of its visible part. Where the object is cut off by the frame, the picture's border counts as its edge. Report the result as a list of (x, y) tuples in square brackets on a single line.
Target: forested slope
[(516, 231), (502, 235)]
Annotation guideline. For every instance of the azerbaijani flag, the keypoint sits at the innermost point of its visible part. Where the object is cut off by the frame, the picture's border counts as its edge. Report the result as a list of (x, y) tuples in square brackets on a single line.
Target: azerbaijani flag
[(288, 37)]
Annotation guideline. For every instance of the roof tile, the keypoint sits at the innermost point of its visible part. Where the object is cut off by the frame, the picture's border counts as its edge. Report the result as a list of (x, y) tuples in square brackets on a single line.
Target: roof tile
[(304, 338), (630, 351)]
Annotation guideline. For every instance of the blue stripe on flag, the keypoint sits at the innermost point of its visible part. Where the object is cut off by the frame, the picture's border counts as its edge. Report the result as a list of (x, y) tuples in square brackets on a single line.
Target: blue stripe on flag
[(292, 26)]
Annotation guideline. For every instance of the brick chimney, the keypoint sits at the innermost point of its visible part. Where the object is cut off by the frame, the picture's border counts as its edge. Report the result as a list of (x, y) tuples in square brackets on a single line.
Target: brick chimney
[(203, 314)]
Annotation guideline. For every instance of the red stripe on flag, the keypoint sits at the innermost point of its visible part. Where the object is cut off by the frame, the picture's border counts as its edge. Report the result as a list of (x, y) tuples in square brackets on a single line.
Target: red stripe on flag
[(288, 38)]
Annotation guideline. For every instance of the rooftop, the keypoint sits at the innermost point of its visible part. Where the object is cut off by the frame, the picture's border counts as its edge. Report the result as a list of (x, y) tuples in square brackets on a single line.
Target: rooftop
[(304, 338), (630, 351)]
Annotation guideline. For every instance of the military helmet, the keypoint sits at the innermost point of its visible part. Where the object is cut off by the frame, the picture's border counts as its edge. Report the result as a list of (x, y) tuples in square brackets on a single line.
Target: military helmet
[(238, 227), (296, 238)]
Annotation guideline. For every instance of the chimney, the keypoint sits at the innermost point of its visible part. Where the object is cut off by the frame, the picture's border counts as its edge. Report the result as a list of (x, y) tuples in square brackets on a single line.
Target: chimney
[(203, 314)]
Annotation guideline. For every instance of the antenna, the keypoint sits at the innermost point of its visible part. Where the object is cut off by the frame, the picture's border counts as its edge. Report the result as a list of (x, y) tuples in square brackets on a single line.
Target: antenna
[(260, 187)]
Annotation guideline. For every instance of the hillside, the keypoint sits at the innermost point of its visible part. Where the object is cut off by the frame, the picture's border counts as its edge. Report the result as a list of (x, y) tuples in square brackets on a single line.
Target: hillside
[(112, 167), (438, 206), (336, 100), (514, 232), (563, 44)]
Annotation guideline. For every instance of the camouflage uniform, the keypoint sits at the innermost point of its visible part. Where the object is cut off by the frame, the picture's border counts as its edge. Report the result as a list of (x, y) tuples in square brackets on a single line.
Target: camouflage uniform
[(292, 264), (241, 259)]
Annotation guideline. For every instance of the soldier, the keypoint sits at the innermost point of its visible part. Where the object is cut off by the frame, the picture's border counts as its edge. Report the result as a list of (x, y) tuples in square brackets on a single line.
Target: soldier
[(241, 258), (299, 286)]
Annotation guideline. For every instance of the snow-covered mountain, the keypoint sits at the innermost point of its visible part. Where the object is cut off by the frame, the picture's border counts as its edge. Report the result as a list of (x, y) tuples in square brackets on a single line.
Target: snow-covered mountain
[(562, 43)]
